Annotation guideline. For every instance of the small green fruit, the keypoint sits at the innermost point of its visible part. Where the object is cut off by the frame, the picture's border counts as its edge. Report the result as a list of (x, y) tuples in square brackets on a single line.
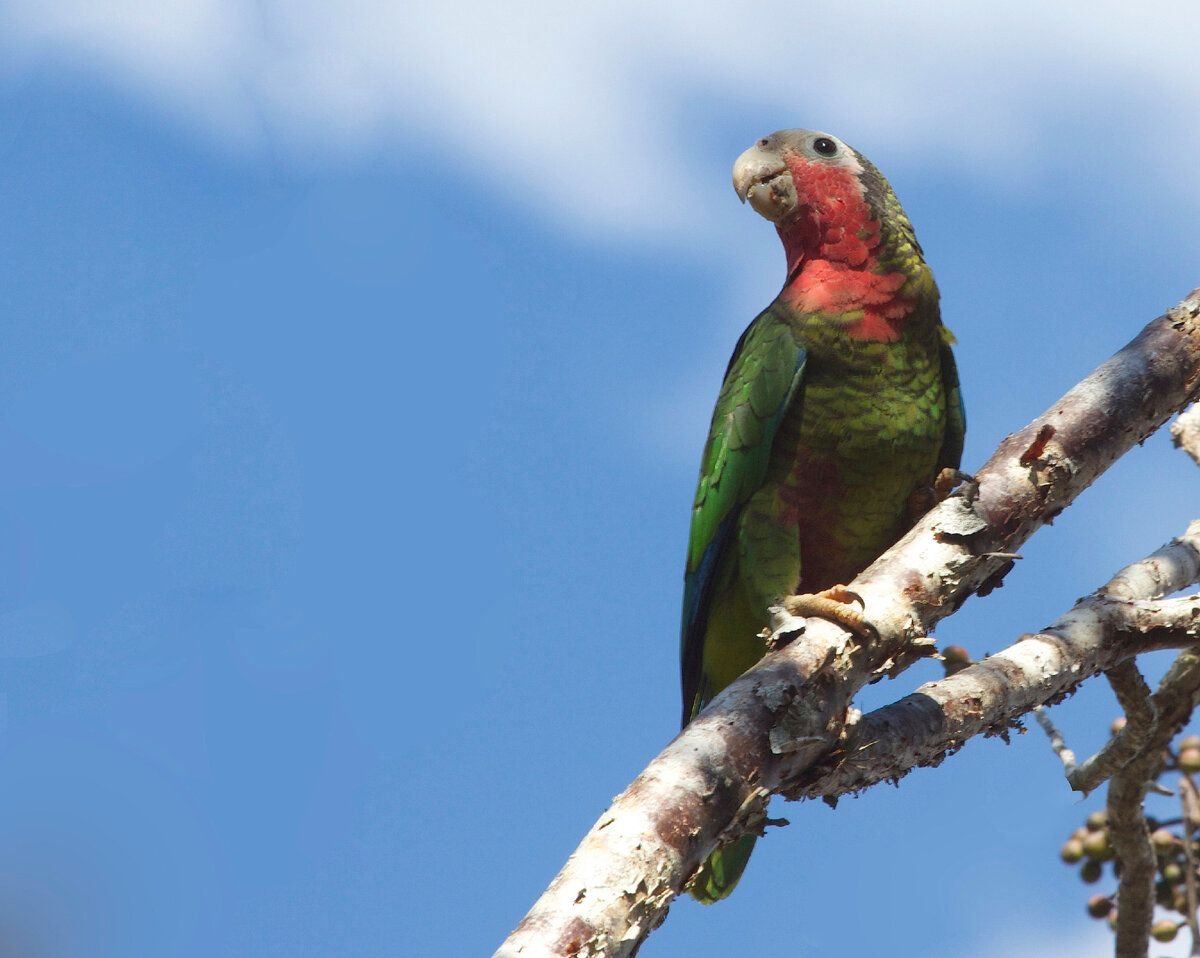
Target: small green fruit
[(1164, 930), (1098, 906), (1072, 851), (1091, 871), (1189, 741), (1162, 840), (1097, 820), (1117, 725), (1189, 760), (1096, 846), (1172, 872)]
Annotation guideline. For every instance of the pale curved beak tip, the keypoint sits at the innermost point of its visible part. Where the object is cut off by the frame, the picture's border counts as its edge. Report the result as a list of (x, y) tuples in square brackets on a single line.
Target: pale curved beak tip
[(754, 166), (760, 178)]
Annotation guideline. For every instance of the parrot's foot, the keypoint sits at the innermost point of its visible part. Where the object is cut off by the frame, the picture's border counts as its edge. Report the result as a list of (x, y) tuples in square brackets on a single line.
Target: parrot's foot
[(833, 604), (948, 480), (925, 498)]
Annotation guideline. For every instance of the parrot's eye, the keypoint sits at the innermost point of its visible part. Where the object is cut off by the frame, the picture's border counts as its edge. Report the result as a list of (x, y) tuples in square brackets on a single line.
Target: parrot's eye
[(824, 146)]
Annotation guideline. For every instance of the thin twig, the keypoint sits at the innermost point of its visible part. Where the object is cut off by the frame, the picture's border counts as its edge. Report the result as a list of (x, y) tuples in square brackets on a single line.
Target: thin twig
[(1057, 743)]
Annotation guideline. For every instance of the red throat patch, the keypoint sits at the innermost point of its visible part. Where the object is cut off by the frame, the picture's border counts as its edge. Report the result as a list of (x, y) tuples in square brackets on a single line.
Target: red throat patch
[(833, 258)]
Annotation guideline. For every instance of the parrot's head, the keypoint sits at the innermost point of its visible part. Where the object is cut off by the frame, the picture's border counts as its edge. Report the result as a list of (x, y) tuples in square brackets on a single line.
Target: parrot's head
[(792, 171), (824, 197)]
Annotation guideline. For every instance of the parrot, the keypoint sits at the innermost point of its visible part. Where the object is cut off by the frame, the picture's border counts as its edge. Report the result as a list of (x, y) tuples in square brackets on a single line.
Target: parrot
[(839, 411)]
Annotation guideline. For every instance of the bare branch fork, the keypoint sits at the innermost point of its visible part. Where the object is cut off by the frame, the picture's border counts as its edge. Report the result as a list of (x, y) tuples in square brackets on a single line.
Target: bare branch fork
[(1097, 635), (779, 728)]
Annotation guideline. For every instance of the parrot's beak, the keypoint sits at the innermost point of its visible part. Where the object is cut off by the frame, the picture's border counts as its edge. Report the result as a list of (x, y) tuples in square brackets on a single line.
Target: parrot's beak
[(761, 177)]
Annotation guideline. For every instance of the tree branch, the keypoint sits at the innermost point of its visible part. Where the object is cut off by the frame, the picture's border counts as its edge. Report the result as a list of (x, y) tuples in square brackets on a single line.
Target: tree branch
[(768, 728), (987, 696), (1127, 829), (1128, 743), (1189, 800), (1171, 706), (1185, 432)]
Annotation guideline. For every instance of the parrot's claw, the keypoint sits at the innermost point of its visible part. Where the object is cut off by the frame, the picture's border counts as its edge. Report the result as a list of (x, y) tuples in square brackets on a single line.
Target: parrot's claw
[(924, 498), (833, 604), (950, 479)]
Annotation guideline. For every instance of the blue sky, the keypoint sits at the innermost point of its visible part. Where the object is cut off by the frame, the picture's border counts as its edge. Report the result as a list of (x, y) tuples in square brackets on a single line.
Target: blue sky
[(357, 363)]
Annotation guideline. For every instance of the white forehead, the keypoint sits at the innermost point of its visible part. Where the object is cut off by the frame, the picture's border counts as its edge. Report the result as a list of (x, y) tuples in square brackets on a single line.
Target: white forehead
[(805, 143)]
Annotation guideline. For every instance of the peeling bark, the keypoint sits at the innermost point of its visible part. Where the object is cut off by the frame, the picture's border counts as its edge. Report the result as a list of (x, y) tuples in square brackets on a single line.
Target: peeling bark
[(780, 723)]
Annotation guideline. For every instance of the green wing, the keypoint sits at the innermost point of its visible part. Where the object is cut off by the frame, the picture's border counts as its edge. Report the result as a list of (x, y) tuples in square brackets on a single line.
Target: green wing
[(950, 456), (760, 385)]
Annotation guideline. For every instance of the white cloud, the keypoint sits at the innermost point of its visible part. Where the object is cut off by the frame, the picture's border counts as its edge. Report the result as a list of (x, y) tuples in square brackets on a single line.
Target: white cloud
[(1071, 940), (589, 113)]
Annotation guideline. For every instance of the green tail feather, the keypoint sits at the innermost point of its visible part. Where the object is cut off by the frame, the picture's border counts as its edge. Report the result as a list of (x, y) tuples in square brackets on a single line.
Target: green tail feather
[(719, 875)]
